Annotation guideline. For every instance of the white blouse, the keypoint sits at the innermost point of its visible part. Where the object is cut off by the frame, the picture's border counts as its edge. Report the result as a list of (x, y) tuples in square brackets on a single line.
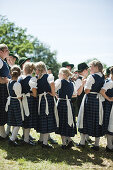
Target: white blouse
[(17, 89), (90, 81), (78, 83), (108, 85), (1, 63), (33, 81)]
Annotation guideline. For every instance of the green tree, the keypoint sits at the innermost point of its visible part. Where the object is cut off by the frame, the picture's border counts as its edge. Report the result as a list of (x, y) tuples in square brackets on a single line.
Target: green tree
[(15, 37), (19, 42), (43, 53)]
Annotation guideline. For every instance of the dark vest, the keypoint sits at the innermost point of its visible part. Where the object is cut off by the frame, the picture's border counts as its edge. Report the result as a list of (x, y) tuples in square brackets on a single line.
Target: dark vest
[(4, 71), (10, 87), (99, 82), (25, 84), (43, 85), (67, 88)]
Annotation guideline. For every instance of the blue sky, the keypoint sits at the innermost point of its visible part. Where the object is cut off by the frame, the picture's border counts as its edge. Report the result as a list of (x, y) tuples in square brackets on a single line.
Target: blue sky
[(77, 29)]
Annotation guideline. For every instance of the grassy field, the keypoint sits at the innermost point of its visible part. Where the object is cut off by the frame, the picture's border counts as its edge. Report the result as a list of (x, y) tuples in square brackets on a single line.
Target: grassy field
[(36, 158)]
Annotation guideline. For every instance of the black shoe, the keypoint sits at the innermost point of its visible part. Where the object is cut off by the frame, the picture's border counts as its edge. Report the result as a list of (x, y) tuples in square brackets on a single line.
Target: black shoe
[(48, 146), (70, 144), (30, 143), (108, 150), (64, 147), (13, 143), (89, 141), (39, 143), (52, 141), (79, 145), (2, 139), (31, 138), (96, 148)]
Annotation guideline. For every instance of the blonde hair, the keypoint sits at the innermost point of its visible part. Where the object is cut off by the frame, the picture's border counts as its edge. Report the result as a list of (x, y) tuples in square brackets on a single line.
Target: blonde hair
[(29, 67), (98, 64), (41, 67), (3, 47), (15, 71), (65, 71)]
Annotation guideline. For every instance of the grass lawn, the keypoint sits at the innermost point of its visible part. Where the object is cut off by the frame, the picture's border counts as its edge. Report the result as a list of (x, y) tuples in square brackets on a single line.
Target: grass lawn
[(36, 158)]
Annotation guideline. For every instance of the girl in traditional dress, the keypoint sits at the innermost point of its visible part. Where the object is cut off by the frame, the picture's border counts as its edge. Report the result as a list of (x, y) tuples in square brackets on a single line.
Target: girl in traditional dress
[(43, 87), (90, 118), (107, 92), (67, 126), (14, 105), (4, 75), (29, 102)]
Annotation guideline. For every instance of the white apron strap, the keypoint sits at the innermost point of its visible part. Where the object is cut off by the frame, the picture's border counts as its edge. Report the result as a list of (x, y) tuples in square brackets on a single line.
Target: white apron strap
[(110, 126), (25, 103), (56, 112), (81, 114), (70, 115)]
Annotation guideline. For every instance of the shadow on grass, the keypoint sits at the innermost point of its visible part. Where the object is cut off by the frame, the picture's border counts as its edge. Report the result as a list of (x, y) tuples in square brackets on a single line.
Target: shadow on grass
[(72, 156)]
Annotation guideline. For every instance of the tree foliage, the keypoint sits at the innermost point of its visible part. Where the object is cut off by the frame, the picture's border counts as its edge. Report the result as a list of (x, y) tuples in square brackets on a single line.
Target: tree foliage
[(15, 38), (25, 45)]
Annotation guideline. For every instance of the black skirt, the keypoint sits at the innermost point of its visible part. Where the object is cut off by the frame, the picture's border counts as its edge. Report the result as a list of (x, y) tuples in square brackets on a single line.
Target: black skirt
[(3, 100), (31, 120), (107, 111), (14, 113), (64, 129), (91, 117), (46, 123)]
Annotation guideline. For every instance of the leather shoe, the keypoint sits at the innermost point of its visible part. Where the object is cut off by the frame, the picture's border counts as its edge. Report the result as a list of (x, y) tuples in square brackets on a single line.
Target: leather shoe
[(79, 145), (31, 138), (13, 143), (6, 138), (48, 146), (108, 150), (64, 147), (70, 144), (52, 141), (96, 148), (39, 143), (30, 143)]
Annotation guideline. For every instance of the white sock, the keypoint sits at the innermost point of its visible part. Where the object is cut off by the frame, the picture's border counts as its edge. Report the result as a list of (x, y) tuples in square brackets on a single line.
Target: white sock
[(109, 141), (97, 141), (82, 141), (49, 136), (2, 132), (8, 129), (14, 133), (23, 131), (45, 138), (63, 140), (41, 137), (87, 137), (26, 135)]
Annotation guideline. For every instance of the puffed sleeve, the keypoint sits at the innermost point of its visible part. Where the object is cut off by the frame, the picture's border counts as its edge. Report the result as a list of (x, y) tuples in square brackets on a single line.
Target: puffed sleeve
[(78, 83), (18, 89), (50, 78), (108, 85), (57, 85), (1, 63), (75, 90), (33, 83), (89, 82)]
